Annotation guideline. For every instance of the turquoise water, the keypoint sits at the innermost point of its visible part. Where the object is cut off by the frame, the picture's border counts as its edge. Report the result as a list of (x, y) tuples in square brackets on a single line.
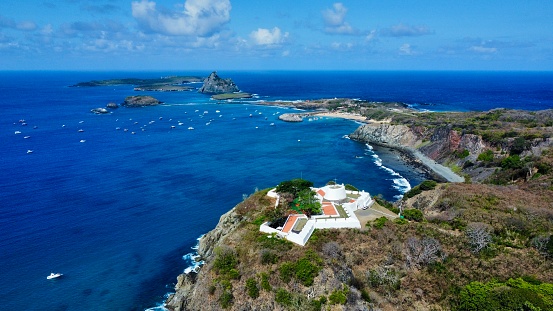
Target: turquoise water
[(116, 213)]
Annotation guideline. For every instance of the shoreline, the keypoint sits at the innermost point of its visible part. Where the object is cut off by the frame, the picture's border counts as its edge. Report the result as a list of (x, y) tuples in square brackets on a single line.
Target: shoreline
[(409, 155)]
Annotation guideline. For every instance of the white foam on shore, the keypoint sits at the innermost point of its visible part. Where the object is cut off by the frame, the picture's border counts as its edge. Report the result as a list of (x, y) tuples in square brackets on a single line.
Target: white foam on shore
[(194, 265), (399, 182), (191, 258)]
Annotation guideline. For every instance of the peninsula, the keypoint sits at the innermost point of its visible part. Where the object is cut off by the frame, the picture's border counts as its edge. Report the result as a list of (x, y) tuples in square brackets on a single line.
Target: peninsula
[(481, 244)]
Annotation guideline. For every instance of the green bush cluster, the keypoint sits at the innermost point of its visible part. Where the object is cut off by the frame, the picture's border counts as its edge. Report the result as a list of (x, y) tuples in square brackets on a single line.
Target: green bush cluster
[(351, 187), (304, 270), (424, 186), (515, 294), (486, 156), (462, 154), (413, 214), (226, 299), (265, 282), (382, 202), (225, 263), (379, 222), (252, 288), (339, 297), (283, 297)]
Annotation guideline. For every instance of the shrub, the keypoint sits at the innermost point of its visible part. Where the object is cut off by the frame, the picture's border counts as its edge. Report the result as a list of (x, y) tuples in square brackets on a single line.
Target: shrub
[(400, 221), (307, 268), (351, 187), (265, 282), (251, 288), (225, 261), (478, 235), (339, 296), (379, 222), (385, 278), (428, 185), (283, 297), (423, 252), (225, 300), (268, 257), (463, 154), (286, 271), (413, 214), (511, 162), (294, 186), (486, 156)]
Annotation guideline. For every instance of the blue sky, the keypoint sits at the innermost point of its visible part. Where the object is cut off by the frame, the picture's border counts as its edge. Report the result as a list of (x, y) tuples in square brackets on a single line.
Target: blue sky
[(276, 35)]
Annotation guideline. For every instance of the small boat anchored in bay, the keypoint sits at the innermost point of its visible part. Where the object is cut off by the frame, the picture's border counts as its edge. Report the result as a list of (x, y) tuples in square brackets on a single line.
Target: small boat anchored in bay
[(53, 276)]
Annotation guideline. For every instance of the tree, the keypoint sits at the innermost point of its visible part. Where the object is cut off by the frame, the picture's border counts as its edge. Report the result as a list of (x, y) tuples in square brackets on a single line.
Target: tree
[(308, 202), (294, 186), (479, 236), (423, 252)]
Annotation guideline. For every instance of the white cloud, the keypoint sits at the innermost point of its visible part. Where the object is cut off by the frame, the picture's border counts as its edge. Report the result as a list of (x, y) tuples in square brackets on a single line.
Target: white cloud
[(402, 30), (263, 36), (199, 18), (406, 49), (334, 20), (483, 49)]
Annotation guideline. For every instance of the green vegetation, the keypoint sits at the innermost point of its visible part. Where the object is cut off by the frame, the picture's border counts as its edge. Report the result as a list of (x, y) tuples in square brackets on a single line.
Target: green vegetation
[(413, 214), (225, 263), (380, 222), (424, 186), (350, 187), (251, 288), (515, 294), (304, 270), (294, 186), (226, 96), (339, 297)]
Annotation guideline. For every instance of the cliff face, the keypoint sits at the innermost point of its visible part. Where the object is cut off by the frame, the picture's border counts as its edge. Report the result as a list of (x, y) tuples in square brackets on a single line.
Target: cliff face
[(191, 288), (216, 85), (395, 136)]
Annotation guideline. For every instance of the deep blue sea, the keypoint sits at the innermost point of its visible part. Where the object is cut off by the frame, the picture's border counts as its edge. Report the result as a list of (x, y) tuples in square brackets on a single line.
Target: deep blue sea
[(115, 212)]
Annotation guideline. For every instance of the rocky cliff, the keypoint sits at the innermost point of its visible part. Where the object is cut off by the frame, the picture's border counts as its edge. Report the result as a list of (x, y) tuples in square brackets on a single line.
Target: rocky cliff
[(216, 85), (190, 287), (441, 144)]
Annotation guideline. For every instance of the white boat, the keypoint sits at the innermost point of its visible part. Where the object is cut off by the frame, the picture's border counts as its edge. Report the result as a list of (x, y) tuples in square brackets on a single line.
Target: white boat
[(190, 128), (27, 137), (53, 276), (82, 140), (29, 151), (80, 130), (17, 132)]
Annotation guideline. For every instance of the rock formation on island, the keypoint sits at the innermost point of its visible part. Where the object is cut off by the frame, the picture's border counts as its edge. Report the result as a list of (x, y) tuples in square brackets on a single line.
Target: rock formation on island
[(216, 85), (140, 101)]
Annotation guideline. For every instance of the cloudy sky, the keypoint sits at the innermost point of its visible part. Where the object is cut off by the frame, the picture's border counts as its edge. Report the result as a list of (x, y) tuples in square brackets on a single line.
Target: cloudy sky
[(276, 35)]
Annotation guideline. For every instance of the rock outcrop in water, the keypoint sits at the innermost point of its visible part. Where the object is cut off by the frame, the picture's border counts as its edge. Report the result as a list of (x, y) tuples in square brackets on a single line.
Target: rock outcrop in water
[(216, 85), (140, 101)]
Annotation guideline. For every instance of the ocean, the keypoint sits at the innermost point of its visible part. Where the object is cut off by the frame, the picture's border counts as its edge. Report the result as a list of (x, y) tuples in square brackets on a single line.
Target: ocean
[(116, 202)]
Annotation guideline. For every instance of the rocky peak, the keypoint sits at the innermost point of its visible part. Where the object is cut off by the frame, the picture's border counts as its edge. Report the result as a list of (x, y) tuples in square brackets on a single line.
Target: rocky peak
[(216, 85)]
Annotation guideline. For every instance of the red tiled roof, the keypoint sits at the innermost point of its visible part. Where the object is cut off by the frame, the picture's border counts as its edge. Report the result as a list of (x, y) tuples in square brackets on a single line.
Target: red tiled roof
[(321, 192), (289, 223), (328, 209)]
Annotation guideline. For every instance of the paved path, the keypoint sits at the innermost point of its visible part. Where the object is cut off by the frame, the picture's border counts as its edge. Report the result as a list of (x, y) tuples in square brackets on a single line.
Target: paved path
[(439, 169)]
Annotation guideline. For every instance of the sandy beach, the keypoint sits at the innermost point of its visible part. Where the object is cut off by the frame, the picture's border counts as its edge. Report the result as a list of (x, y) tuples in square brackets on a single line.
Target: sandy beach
[(342, 115)]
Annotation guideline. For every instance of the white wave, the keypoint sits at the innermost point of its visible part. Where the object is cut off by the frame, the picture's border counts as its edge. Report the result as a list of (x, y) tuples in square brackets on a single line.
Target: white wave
[(346, 137), (400, 183), (192, 258), (369, 146)]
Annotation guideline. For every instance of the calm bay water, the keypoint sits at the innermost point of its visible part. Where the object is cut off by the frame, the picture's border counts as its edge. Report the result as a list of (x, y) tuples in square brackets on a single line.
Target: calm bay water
[(117, 212)]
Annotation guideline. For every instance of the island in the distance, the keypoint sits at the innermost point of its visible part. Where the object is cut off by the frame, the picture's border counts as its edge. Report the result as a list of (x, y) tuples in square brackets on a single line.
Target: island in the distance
[(162, 84)]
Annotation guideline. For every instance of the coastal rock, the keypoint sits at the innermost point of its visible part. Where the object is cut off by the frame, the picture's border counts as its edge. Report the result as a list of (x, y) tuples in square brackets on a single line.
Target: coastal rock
[(396, 136), (140, 101), (291, 117), (112, 106), (216, 85)]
